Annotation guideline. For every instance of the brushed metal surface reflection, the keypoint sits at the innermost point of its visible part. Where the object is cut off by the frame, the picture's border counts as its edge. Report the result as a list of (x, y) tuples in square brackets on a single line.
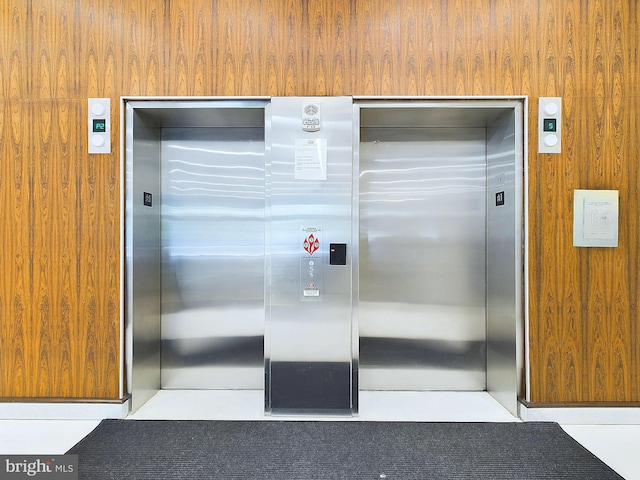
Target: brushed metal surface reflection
[(419, 277), (309, 337), (504, 257), (142, 245), (213, 257), (422, 258)]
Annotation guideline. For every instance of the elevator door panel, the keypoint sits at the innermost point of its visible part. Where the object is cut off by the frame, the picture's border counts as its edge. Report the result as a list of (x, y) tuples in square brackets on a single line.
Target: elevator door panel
[(212, 258), (422, 258)]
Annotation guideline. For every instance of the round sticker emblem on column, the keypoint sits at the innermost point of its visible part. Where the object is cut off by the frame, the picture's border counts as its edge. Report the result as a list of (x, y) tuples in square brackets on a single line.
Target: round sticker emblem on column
[(311, 244)]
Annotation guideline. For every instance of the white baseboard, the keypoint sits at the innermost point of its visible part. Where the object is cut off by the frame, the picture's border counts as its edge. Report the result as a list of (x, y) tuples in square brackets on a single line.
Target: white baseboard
[(63, 411), (581, 415), (95, 411)]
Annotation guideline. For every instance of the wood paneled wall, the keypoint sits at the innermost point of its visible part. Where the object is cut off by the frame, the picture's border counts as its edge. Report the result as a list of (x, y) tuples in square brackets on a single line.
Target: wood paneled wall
[(60, 271)]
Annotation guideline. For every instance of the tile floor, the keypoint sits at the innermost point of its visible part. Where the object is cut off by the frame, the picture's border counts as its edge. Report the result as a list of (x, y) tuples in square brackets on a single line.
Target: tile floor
[(616, 445)]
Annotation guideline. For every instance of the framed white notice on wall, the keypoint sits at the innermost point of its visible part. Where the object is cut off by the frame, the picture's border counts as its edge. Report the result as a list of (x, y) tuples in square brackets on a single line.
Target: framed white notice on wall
[(595, 218)]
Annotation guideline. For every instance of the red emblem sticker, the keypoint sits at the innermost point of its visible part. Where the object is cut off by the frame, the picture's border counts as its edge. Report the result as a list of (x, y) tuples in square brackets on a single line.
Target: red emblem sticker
[(311, 244)]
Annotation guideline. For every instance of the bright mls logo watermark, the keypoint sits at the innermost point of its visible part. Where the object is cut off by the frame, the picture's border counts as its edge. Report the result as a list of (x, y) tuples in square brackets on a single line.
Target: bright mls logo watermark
[(50, 467)]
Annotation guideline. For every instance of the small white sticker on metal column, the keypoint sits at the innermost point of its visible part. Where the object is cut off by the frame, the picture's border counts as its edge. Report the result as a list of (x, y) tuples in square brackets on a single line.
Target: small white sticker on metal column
[(99, 125), (310, 159), (311, 120)]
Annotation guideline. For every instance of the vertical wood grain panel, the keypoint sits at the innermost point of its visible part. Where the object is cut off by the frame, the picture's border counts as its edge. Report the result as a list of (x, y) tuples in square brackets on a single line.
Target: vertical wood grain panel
[(283, 33), (6, 313), (188, 47), (525, 22), (583, 300), (54, 49), (143, 63), (39, 344), (629, 29), (608, 300), (527, 41), (59, 293), (15, 295), (239, 45), (562, 330), (52, 287), (55, 254), (611, 355), (561, 316), (479, 47), (281, 58), (15, 36), (504, 62), (98, 204), (5, 53), (624, 44), (75, 353), (460, 23), (411, 48), (99, 46), (375, 41), (328, 66), (512, 48), (633, 284), (542, 175), (427, 48)]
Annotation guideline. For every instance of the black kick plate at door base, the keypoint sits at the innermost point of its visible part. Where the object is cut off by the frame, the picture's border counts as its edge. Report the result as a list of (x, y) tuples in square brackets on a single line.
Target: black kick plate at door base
[(310, 386)]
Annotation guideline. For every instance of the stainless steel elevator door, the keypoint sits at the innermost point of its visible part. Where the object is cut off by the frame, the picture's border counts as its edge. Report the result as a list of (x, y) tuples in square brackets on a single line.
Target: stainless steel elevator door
[(212, 258), (422, 272)]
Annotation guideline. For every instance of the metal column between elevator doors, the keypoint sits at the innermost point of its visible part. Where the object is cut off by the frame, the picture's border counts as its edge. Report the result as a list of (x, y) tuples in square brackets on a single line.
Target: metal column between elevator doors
[(310, 346)]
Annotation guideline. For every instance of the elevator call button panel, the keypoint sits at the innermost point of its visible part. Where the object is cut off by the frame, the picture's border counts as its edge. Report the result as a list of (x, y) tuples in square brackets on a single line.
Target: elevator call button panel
[(549, 125), (99, 125)]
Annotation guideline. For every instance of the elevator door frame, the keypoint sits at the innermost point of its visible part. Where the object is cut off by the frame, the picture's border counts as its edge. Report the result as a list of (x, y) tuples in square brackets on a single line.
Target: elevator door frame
[(140, 369), (143, 120), (504, 119)]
